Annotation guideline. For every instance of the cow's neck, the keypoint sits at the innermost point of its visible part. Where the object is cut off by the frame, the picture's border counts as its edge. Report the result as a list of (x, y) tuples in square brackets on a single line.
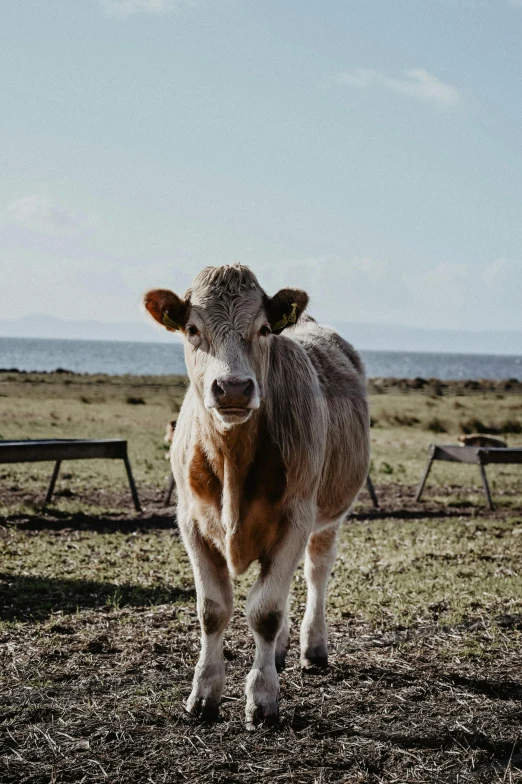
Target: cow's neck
[(230, 452)]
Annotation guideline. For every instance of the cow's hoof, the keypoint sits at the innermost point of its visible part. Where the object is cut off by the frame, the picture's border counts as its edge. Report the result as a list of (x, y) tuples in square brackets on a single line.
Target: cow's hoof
[(203, 708), (265, 715), (314, 661), (262, 693)]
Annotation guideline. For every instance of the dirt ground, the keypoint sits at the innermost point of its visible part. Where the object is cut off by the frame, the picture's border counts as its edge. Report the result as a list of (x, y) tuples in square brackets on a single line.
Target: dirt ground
[(95, 670), (99, 637)]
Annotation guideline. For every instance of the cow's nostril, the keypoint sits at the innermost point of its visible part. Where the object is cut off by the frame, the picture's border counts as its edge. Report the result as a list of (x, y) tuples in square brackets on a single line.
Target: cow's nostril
[(218, 389), (248, 390)]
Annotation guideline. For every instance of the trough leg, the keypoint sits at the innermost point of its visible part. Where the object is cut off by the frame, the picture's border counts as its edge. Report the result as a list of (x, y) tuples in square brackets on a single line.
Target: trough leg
[(52, 483), (423, 480), (132, 486), (214, 602), (320, 555), (265, 611), (486, 486), (371, 490), (169, 491)]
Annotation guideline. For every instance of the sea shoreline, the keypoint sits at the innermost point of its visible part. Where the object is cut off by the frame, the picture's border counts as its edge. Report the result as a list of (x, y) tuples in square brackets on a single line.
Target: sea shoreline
[(432, 387), (130, 358)]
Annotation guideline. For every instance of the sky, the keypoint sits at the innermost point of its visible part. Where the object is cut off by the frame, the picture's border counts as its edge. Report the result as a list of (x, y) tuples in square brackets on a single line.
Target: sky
[(366, 151)]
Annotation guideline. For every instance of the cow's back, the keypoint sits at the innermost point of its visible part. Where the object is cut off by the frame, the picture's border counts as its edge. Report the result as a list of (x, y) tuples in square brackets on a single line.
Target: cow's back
[(343, 384)]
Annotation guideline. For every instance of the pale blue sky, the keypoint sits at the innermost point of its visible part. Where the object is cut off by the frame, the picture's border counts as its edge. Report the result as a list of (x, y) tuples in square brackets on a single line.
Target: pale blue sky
[(367, 151)]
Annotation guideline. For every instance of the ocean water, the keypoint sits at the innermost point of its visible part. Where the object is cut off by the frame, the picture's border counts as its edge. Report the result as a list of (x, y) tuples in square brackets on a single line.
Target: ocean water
[(115, 358)]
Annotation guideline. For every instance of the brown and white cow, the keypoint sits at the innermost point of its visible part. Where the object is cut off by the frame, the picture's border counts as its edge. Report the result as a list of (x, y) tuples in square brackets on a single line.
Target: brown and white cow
[(480, 439), (270, 449), (170, 427)]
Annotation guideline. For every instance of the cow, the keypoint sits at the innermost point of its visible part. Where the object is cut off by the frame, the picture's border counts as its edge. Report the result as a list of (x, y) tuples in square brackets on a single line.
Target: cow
[(479, 439), (270, 449), (169, 435)]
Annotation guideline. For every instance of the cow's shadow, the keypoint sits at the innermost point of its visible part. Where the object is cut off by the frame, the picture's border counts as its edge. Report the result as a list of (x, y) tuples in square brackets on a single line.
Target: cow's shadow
[(412, 687), (33, 598), (57, 520)]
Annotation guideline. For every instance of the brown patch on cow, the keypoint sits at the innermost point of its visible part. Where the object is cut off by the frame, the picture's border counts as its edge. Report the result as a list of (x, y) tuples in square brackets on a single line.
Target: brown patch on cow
[(257, 482), (267, 624), (203, 481), (266, 476), (262, 521), (321, 543), (213, 617)]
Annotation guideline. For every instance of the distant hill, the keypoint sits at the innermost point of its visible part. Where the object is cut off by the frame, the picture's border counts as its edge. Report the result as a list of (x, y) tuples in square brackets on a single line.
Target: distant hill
[(393, 337), (376, 337), (40, 326)]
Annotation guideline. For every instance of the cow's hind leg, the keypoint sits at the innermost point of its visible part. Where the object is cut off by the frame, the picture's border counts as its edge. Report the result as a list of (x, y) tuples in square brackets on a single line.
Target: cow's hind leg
[(214, 603), (266, 612), (320, 555), (282, 642)]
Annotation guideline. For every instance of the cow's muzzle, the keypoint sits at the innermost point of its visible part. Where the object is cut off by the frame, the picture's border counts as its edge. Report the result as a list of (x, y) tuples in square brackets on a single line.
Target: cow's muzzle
[(234, 398)]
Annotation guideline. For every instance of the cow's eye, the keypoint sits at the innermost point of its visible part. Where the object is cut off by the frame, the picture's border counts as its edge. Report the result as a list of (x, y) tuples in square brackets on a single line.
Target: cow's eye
[(192, 330), (265, 330)]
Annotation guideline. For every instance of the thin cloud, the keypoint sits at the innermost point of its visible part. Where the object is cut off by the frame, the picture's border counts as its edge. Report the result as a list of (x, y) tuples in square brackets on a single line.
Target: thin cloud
[(415, 83), (515, 3), (370, 290), (127, 7), (37, 213), (506, 274)]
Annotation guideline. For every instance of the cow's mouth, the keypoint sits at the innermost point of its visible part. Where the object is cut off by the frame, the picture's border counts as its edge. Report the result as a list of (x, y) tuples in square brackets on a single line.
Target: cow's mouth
[(233, 415)]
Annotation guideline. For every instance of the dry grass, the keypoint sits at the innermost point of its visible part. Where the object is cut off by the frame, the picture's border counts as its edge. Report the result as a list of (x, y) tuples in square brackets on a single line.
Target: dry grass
[(98, 634)]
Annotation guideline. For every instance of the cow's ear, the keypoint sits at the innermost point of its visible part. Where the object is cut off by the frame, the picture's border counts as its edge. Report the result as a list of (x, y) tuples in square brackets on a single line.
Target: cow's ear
[(284, 308), (167, 308)]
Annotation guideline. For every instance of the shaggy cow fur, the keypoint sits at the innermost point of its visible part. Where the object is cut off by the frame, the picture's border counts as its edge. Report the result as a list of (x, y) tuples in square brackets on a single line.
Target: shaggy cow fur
[(270, 449)]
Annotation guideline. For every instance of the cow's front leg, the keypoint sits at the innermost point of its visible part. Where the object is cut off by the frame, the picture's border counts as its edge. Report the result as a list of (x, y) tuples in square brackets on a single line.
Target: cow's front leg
[(320, 555), (214, 603), (266, 614)]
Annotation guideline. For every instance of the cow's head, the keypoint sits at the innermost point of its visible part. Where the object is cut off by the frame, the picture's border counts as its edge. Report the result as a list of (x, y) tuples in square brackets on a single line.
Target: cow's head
[(228, 324)]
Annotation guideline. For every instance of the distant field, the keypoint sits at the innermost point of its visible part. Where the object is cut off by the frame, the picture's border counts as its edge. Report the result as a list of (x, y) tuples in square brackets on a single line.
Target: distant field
[(98, 634), (405, 420)]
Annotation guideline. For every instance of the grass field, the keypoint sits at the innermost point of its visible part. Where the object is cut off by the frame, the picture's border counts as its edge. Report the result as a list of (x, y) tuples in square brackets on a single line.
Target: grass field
[(98, 633)]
